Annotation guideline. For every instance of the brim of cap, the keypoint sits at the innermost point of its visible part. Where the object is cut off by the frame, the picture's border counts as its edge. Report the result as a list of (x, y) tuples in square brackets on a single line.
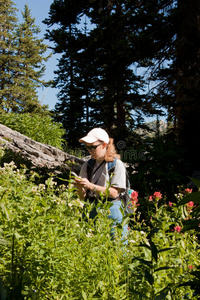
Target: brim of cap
[(88, 139)]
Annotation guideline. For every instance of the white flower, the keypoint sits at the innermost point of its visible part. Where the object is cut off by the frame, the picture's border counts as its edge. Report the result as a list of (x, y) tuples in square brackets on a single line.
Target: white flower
[(89, 234), (41, 186), (34, 189)]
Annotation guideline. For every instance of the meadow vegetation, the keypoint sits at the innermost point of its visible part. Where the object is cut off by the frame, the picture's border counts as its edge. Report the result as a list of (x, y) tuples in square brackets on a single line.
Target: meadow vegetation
[(49, 251)]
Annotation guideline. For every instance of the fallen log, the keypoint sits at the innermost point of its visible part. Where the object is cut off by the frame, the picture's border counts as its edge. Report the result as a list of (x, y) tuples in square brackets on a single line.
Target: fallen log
[(38, 155)]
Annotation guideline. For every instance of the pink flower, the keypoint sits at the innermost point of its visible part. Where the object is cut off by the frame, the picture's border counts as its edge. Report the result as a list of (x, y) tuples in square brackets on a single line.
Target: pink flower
[(177, 228), (134, 196), (187, 191), (190, 204), (157, 195), (151, 198), (170, 203), (191, 267)]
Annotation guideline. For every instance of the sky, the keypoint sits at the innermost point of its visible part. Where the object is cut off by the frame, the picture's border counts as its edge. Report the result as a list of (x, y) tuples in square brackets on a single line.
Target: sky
[(39, 11)]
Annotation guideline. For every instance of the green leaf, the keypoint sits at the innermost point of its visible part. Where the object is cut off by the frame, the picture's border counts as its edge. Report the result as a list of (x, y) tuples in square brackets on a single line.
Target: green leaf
[(144, 245), (84, 295), (194, 197), (133, 265), (190, 224), (3, 241), (163, 268), (143, 261), (165, 249), (17, 235)]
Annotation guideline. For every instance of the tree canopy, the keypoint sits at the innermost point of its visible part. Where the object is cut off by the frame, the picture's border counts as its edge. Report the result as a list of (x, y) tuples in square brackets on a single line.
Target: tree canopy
[(21, 61), (102, 45)]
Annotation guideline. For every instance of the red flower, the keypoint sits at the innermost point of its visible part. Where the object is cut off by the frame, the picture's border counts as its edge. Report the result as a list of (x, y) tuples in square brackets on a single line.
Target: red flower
[(190, 204), (191, 267), (187, 191), (157, 195), (134, 196), (177, 228), (170, 203)]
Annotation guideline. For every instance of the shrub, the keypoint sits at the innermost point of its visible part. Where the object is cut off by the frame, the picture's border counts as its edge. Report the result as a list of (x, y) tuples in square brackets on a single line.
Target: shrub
[(40, 128)]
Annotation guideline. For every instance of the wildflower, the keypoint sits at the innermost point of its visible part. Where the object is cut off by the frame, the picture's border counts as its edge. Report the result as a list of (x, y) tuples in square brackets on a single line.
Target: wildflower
[(80, 203), (177, 228), (187, 191), (134, 196), (190, 204), (89, 234), (179, 196), (34, 189), (170, 203), (191, 267), (41, 186), (157, 195), (142, 232)]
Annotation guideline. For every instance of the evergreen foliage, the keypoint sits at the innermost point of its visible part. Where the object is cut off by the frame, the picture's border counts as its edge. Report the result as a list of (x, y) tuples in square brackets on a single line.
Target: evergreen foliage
[(22, 57), (96, 75), (99, 60)]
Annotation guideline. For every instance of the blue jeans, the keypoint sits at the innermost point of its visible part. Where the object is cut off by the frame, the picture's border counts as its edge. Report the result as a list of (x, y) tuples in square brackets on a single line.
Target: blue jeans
[(116, 215)]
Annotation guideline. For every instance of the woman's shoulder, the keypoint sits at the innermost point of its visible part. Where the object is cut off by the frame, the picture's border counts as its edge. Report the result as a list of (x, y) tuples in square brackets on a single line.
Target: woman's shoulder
[(119, 163)]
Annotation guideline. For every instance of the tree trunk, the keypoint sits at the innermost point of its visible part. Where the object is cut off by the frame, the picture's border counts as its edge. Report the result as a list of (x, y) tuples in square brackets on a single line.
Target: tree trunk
[(38, 155)]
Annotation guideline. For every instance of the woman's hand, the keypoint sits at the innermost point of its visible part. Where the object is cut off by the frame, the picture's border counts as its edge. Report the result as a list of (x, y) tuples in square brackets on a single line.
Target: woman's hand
[(84, 183)]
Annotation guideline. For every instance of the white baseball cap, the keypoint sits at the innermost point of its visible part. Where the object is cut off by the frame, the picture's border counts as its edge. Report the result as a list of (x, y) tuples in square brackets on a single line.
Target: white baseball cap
[(96, 134)]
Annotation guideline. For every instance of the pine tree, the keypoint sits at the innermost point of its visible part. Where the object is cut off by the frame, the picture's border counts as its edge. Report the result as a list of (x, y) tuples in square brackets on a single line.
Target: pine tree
[(30, 64), (22, 67), (102, 67), (7, 52)]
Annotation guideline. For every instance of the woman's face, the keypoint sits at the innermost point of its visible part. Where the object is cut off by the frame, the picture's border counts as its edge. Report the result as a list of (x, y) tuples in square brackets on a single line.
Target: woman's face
[(97, 150)]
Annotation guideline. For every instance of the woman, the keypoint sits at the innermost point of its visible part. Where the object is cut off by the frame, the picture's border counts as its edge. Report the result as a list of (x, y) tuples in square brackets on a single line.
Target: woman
[(102, 151)]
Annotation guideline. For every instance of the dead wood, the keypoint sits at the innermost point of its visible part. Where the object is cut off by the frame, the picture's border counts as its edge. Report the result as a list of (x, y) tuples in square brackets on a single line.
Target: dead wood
[(38, 155)]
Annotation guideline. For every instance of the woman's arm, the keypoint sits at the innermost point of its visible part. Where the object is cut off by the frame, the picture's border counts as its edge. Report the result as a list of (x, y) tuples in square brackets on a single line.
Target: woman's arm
[(83, 184)]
